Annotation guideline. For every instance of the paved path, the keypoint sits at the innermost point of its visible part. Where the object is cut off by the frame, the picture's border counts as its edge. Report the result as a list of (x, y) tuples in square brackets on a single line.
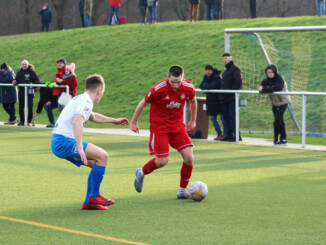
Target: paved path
[(246, 140)]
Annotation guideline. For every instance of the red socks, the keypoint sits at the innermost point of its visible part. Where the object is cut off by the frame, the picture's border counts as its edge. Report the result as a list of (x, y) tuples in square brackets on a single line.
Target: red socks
[(185, 173), (149, 167)]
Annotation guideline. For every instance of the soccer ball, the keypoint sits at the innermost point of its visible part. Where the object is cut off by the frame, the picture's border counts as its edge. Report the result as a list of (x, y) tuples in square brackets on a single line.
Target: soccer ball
[(198, 190)]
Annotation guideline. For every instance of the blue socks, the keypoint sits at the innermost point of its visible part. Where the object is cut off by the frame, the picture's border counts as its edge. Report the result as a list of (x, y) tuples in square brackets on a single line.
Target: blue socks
[(89, 187), (95, 179)]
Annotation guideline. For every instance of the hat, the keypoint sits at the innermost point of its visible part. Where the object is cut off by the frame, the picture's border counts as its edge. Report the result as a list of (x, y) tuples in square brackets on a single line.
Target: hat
[(226, 54), (71, 67), (4, 66), (209, 67), (62, 60)]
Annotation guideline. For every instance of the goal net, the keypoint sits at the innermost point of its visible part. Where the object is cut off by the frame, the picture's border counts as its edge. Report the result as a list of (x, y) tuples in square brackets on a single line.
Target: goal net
[(300, 55)]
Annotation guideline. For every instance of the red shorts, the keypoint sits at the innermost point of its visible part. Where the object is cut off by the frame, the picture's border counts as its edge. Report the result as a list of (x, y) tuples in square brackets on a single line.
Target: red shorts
[(159, 143)]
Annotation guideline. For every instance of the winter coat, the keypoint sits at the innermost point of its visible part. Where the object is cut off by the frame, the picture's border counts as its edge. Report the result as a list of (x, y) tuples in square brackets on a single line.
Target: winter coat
[(71, 80), (276, 84), (8, 94), (142, 3), (81, 6), (27, 76), (46, 15), (59, 74), (46, 94), (88, 7), (212, 99), (210, 1), (151, 3), (115, 3), (231, 80), (194, 1)]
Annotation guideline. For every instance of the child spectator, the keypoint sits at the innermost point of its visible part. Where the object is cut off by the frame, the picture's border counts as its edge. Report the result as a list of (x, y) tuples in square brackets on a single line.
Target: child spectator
[(114, 11)]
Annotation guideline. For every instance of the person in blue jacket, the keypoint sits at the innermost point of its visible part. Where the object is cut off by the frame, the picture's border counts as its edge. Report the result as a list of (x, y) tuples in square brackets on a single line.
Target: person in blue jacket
[(8, 94)]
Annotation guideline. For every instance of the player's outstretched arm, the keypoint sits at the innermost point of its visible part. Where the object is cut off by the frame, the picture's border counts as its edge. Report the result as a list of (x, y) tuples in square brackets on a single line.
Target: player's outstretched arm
[(99, 118), (139, 109), (193, 114), (78, 126)]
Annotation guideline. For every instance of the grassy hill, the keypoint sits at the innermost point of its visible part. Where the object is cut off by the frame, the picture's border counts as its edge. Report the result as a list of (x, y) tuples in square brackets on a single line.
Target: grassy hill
[(130, 57)]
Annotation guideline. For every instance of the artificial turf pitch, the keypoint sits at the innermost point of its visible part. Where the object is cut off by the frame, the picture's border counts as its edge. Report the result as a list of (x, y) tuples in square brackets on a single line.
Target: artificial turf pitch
[(256, 195)]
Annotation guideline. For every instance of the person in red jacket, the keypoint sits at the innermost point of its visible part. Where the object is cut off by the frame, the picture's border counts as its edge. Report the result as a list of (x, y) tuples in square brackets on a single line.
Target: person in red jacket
[(114, 11), (58, 79), (70, 79)]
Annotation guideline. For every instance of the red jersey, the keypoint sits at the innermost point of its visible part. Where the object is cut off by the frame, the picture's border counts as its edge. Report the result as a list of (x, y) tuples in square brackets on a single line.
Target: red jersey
[(166, 112), (59, 74)]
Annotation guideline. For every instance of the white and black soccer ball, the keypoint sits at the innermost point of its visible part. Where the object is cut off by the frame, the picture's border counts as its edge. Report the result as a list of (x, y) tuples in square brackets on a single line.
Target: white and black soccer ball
[(198, 190)]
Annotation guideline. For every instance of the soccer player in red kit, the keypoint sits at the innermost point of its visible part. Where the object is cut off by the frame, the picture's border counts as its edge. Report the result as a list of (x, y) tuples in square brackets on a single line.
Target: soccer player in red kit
[(167, 99)]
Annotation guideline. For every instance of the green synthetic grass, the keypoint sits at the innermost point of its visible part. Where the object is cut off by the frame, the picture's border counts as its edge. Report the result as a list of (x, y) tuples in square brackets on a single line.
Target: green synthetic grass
[(256, 195)]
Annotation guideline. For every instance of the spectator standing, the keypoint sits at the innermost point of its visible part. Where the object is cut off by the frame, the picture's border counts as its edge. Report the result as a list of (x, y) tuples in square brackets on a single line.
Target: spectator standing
[(220, 4), (8, 94), (212, 80), (320, 6), (49, 103), (152, 11), (114, 11), (58, 79), (81, 11), (253, 9), (194, 10), (211, 9), (231, 80), (26, 75), (143, 11), (70, 79), (46, 19), (88, 9), (273, 83)]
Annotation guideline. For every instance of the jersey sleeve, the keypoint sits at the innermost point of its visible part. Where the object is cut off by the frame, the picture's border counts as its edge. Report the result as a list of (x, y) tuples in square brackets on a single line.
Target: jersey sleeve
[(192, 93), (152, 96), (84, 109)]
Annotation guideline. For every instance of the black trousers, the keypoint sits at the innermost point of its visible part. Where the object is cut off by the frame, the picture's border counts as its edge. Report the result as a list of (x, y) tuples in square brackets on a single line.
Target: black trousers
[(253, 8), (229, 117), (10, 109), (82, 18), (22, 108), (45, 26), (279, 125)]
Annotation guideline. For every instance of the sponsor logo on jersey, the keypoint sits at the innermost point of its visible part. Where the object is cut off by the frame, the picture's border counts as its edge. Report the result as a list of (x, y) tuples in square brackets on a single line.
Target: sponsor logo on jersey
[(173, 105), (183, 96)]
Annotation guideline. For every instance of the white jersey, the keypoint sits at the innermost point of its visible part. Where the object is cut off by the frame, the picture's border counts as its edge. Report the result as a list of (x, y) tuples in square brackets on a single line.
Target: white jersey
[(81, 105)]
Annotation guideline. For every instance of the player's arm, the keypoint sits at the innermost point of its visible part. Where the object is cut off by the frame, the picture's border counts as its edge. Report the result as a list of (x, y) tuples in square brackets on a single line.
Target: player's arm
[(78, 126), (193, 114), (134, 122), (99, 118)]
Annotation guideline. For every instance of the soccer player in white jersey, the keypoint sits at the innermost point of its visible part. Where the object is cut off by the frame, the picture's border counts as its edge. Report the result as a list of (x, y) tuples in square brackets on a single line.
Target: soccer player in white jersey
[(67, 139)]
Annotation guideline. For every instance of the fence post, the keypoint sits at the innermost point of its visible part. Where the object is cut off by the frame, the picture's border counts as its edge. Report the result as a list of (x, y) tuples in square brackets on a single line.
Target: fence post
[(237, 118), (25, 106), (303, 128)]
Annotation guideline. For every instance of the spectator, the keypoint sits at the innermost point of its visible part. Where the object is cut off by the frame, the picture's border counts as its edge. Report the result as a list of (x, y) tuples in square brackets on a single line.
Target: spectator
[(58, 79), (152, 8), (211, 9), (231, 80), (253, 9), (81, 11), (70, 79), (273, 83), (143, 10), (114, 11), (88, 9), (8, 94), (46, 14), (220, 4), (26, 75), (320, 5), (212, 80), (49, 103), (194, 10)]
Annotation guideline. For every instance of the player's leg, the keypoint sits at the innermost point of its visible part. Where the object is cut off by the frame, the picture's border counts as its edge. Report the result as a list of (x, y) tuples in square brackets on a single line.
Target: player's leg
[(98, 158)]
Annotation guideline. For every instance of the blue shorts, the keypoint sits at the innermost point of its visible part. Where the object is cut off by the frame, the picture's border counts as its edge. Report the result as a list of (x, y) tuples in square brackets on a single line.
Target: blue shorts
[(66, 148)]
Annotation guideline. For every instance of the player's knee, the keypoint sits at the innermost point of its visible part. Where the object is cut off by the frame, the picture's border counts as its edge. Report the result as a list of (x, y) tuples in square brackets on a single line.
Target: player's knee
[(189, 159), (105, 157), (161, 162)]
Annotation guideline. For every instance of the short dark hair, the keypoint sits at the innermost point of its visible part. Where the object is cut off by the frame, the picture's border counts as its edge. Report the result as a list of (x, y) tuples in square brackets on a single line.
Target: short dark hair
[(226, 54), (176, 71), (94, 82)]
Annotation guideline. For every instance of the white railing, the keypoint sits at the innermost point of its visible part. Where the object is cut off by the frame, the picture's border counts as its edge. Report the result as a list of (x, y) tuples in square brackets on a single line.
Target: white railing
[(26, 87), (237, 115)]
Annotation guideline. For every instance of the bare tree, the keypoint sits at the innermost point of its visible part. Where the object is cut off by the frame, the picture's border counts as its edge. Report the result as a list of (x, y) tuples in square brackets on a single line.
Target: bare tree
[(59, 6), (180, 8), (27, 6)]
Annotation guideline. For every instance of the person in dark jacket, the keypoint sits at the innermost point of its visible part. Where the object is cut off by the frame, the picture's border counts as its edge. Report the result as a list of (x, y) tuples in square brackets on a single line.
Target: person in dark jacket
[(211, 9), (194, 10), (273, 83), (46, 14), (81, 11), (8, 94), (26, 75), (212, 80), (143, 11), (231, 80), (49, 103)]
